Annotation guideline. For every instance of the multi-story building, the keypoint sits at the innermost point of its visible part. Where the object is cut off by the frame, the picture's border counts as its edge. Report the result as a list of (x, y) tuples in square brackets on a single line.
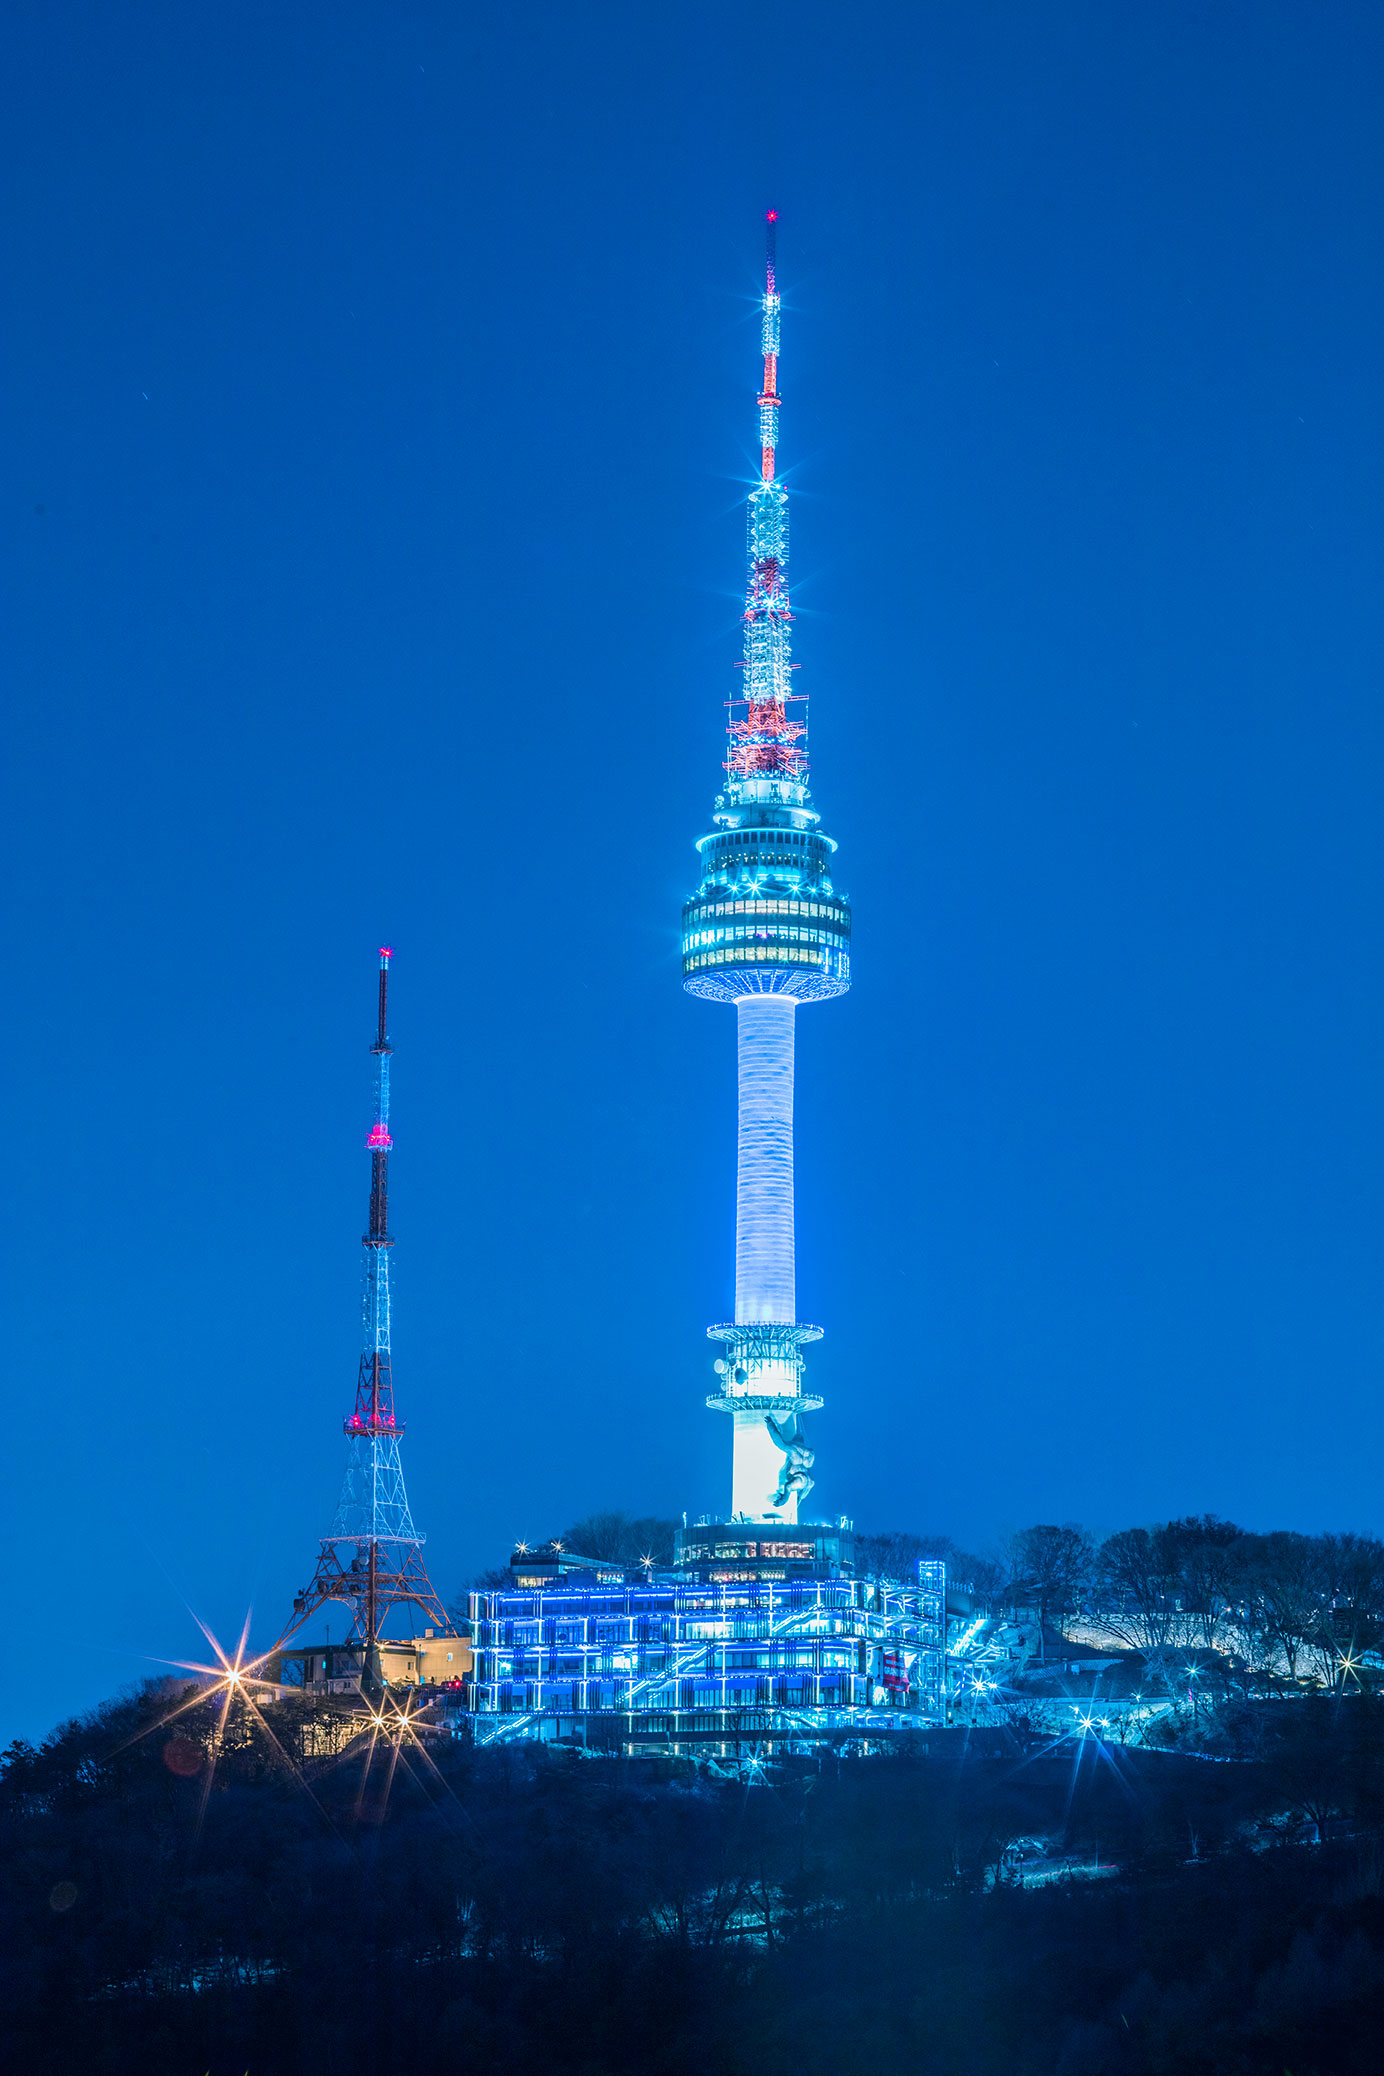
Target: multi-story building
[(682, 1657)]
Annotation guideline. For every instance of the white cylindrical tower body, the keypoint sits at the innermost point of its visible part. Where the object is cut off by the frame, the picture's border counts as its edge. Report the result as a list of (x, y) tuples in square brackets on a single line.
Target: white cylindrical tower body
[(757, 1466), (764, 1282), (764, 1257)]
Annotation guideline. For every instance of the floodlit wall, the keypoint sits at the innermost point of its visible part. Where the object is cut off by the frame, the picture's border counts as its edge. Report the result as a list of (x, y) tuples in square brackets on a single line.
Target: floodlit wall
[(440, 1658)]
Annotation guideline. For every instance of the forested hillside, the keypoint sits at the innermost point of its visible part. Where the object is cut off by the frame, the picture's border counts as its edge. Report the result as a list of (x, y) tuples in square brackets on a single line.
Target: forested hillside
[(272, 1897)]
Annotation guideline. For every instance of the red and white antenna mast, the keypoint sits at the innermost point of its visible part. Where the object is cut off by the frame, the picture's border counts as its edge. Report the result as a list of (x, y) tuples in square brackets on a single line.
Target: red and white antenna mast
[(372, 1559), (765, 757), (374, 1413)]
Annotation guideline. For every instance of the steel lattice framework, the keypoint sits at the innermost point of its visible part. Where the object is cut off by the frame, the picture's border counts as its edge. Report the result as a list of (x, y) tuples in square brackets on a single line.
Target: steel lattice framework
[(372, 1558)]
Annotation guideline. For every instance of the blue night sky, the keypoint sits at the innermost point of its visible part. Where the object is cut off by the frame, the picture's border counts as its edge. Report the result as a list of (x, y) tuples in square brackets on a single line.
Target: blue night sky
[(379, 415)]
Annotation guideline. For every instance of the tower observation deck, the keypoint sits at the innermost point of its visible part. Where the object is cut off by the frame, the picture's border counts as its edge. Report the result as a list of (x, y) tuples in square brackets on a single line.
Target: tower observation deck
[(767, 930)]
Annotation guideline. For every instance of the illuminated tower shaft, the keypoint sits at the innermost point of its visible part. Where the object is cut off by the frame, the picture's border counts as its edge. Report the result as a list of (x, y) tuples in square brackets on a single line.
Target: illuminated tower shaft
[(766, 930), (763, 1364), (764, 1265)]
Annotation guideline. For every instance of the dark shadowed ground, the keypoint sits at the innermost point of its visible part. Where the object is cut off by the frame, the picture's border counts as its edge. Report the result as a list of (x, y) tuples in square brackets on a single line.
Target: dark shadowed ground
[(171, 1905)]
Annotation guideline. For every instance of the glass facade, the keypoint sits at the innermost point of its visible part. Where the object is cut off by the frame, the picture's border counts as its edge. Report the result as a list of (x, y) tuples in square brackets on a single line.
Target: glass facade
[(668, 1647), (767, 929)]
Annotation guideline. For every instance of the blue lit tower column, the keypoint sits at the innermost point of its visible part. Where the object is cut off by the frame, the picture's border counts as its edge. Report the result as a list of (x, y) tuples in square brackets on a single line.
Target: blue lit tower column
[(767, 931)]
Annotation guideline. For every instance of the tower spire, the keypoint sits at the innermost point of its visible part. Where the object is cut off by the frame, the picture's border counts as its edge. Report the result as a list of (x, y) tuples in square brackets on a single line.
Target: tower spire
[(768, 395), (372, 1557), (374, 1413), (765, 744)]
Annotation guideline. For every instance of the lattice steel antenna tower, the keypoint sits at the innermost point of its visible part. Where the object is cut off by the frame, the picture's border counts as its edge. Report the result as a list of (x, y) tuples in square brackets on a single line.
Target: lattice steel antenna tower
[(372, 1559), (766, 930)]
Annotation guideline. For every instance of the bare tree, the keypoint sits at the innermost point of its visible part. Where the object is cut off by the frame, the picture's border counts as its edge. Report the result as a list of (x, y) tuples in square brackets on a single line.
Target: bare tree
[(984, 1578), (1202, 1557), (1053, 1566), (1135, 1592), (1281, 1594), (1350, 1611), (615, 1538), (896, 1553)]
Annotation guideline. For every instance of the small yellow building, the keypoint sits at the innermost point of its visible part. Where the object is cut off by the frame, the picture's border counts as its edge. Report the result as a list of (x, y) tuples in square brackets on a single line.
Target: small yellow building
[(434, 1659), (431, 1658)]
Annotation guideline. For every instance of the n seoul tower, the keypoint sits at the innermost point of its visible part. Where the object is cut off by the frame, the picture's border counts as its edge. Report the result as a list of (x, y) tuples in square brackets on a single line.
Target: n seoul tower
[(766, 930)]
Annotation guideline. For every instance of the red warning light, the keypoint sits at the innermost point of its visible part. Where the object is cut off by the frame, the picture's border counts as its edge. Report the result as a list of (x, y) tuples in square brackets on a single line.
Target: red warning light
[(386, 952), (771, 216)]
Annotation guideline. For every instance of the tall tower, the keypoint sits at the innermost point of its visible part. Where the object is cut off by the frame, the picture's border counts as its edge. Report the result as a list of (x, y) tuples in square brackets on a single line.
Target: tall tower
[(372, 1558), (766, 930)]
